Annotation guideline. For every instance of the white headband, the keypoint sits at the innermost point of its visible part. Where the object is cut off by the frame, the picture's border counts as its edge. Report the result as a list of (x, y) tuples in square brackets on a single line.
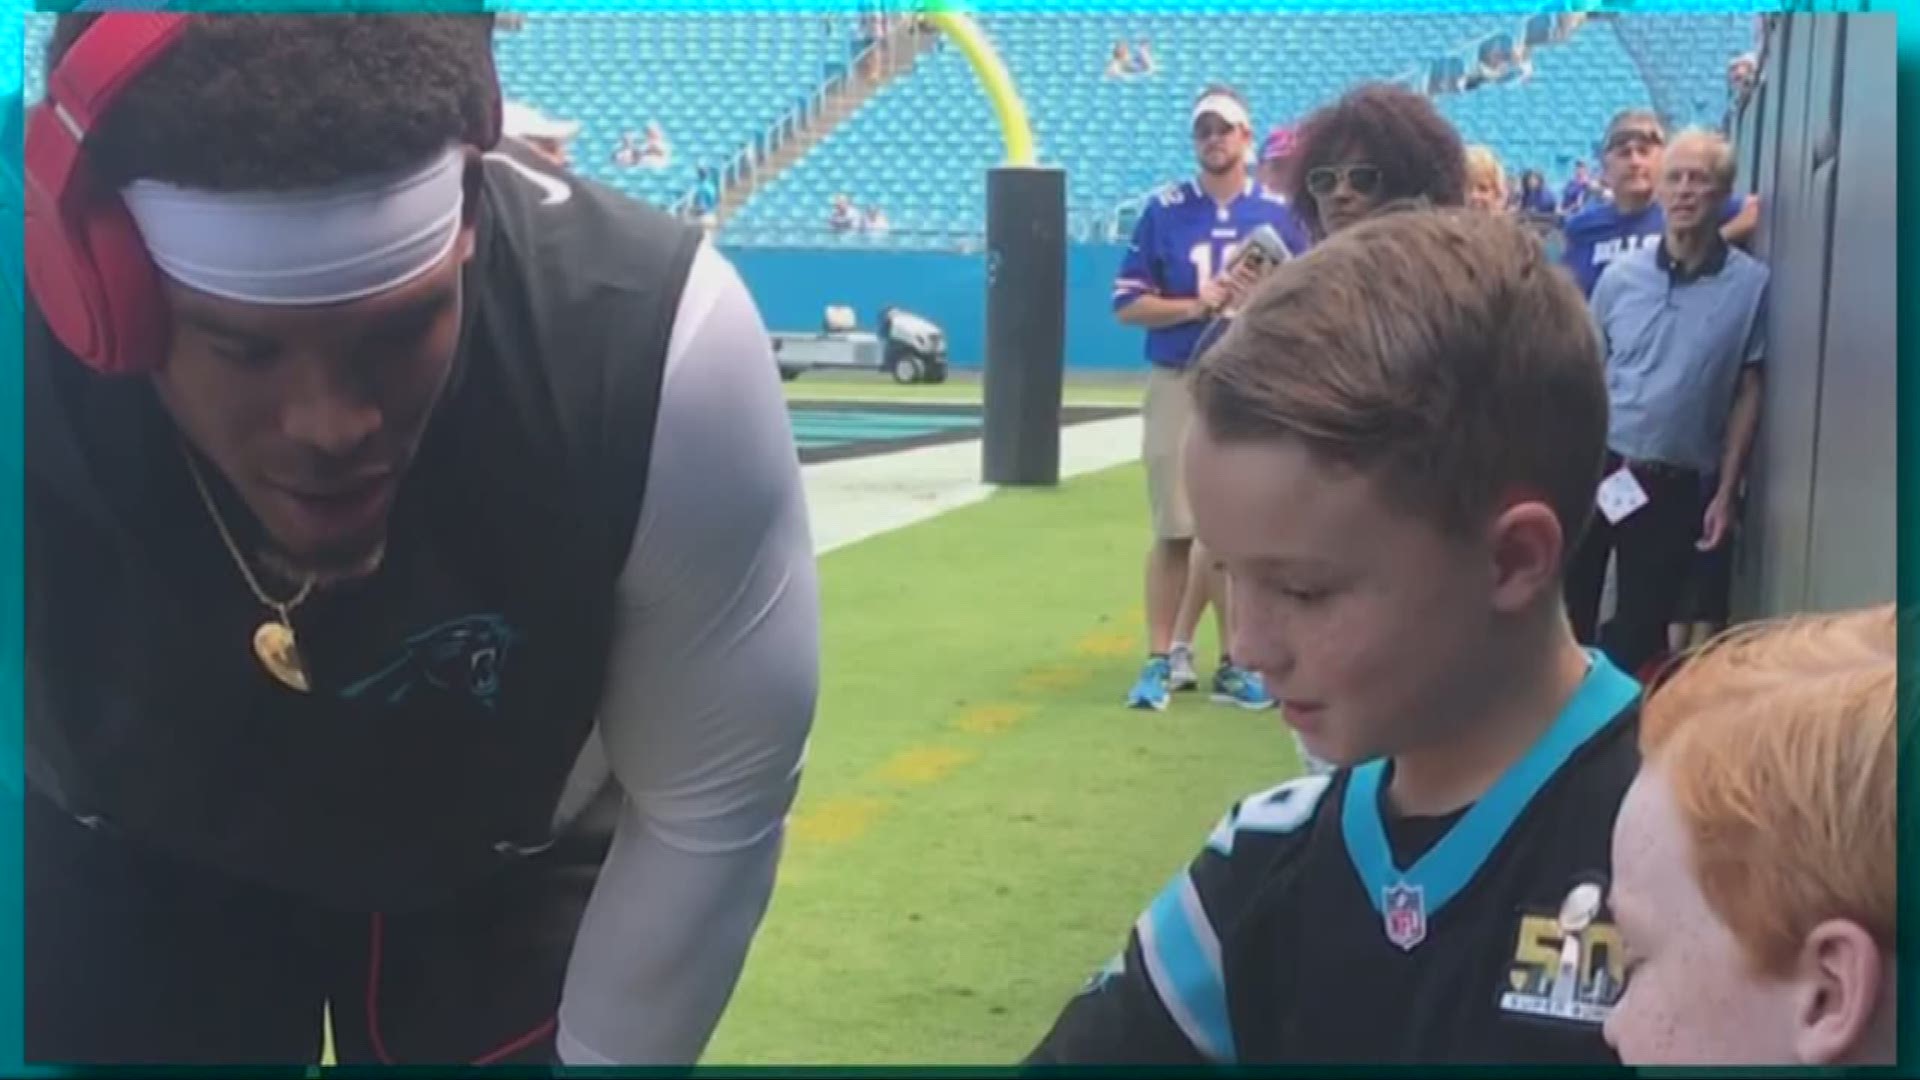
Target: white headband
[(316, 246)]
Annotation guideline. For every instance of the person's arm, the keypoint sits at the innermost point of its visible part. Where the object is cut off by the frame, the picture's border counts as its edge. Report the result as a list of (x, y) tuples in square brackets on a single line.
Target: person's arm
[(1119, 1016), (1740, 219), (1164, 999), (1742, 425), (1151, 312), (709, 699)]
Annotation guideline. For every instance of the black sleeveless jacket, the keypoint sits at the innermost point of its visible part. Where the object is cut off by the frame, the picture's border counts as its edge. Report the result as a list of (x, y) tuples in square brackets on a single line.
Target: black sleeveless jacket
[(455, 688)]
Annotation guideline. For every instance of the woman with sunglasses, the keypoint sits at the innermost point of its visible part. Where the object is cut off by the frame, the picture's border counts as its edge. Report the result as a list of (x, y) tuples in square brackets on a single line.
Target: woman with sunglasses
[(1379, 143)]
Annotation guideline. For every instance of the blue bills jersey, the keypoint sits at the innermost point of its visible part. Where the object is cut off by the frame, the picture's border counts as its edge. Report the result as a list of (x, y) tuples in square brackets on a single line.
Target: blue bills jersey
[(1600, 234), (1319, 927), (1182, 240)]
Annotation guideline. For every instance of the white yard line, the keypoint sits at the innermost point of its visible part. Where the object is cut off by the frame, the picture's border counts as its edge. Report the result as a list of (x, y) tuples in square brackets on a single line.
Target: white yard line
[(856, 498)]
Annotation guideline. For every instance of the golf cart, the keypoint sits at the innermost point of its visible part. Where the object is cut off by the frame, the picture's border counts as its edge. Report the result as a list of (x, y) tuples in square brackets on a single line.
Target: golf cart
[(908, 347)]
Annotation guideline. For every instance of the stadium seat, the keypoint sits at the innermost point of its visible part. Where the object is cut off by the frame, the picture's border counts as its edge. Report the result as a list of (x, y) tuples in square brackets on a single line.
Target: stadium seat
[(919, 147)]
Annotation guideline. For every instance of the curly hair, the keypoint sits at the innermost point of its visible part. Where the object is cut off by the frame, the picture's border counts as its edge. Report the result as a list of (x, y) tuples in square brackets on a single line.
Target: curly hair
[(272, 102), (1419, 153)]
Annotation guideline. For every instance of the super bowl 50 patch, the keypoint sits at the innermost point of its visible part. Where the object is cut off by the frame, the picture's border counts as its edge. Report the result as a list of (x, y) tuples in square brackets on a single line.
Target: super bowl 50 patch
[(1567, 964)]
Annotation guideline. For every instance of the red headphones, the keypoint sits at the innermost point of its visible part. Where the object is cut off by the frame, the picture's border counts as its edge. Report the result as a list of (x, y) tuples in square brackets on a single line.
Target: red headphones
[(87, 266)]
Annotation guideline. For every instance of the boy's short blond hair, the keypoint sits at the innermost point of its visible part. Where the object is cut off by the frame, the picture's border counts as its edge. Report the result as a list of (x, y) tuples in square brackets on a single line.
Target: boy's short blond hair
[(1777, 741), (1440, 352)]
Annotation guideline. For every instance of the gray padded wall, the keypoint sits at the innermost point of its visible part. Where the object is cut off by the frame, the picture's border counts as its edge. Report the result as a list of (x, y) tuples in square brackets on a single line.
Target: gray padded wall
[(1819, 146)]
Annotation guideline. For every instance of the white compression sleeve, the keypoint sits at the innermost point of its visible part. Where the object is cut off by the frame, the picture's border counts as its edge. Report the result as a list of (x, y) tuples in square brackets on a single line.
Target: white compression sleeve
[(710, 696)]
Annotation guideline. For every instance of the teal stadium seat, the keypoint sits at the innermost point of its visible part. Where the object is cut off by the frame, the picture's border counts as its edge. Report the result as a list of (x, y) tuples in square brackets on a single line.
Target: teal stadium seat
[(919, 147)]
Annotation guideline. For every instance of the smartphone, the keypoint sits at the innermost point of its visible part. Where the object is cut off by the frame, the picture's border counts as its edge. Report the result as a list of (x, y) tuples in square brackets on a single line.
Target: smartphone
[(1261, 251)]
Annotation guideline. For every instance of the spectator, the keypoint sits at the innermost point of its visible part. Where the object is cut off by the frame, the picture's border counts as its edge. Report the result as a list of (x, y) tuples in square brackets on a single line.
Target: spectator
[(1175, 284), (1494, 60), (627, 155), (1579, 190), (1275, 154), (1754, 857), (1523, 62), (1143, 59), (1378, 143), (1534, 196), (876, 221), (1683, 326), (655, 153), (1743, 74), (843, 217), (1486, 180), (706, 198), (1276, 159), (1634, 220), (1120, 63), (548, 137)]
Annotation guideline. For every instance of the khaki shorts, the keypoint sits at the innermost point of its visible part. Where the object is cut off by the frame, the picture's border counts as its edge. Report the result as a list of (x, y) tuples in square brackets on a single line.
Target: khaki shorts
[(1168, 410)]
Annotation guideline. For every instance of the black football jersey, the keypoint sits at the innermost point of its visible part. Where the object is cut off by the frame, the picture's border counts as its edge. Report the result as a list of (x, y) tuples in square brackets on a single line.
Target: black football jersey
[(1315, 927)]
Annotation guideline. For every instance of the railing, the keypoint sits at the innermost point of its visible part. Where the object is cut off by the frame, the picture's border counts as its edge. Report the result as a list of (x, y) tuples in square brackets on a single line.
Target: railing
[(790, 125), (798, 118)]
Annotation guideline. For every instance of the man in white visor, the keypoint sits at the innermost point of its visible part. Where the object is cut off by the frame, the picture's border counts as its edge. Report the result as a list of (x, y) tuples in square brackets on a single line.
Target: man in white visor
[(391, 498)]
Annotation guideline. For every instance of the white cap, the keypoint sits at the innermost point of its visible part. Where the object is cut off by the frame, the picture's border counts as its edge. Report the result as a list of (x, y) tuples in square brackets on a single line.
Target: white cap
[(1224, 107), (522, 121)]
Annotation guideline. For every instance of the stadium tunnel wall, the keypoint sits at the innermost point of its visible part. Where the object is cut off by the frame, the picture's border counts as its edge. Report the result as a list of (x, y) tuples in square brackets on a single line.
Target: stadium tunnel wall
[(794, 287), (1815, 139)]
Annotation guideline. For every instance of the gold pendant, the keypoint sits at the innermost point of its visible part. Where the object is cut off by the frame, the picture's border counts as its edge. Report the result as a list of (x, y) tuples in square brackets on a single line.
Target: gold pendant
[(279, 653)]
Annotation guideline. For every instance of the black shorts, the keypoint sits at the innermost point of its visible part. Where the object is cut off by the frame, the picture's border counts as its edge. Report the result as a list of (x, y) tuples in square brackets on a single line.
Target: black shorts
[(136, 958)]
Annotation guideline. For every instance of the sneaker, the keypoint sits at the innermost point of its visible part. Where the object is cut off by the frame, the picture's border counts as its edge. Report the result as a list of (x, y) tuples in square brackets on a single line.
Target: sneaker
[(1235, 685), (1151, 691), (1182, 676)]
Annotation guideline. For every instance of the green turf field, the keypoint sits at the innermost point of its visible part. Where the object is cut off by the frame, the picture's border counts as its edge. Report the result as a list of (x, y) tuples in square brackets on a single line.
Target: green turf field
[(981, 820), (850, 387)]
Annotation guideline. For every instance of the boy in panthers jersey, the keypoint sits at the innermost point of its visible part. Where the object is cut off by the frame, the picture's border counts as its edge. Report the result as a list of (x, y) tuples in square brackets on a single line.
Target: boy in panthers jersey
[(1395, 448)]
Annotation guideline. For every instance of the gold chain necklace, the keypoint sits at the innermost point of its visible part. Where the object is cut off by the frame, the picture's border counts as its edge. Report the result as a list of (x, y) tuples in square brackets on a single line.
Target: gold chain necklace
[(273, 641)]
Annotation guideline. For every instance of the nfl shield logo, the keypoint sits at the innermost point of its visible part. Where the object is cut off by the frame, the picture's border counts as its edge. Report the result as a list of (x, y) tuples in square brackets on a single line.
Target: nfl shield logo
[(1406, 916)]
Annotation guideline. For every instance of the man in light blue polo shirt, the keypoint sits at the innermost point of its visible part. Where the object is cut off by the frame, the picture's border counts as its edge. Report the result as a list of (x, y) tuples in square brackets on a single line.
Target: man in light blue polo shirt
[(1683, 327)]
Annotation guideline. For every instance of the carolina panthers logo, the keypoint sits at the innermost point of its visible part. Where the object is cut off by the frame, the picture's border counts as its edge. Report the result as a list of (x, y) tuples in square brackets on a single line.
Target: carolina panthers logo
[(463, 657)]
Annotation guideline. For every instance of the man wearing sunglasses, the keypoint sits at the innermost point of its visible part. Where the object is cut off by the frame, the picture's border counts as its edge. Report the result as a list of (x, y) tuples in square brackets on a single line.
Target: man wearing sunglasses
[(1630, 156), (1175, 283)]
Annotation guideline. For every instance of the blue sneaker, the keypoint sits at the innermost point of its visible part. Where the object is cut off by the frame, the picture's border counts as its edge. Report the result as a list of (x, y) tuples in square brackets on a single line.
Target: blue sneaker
[(1151, 692), (1235, 685)]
